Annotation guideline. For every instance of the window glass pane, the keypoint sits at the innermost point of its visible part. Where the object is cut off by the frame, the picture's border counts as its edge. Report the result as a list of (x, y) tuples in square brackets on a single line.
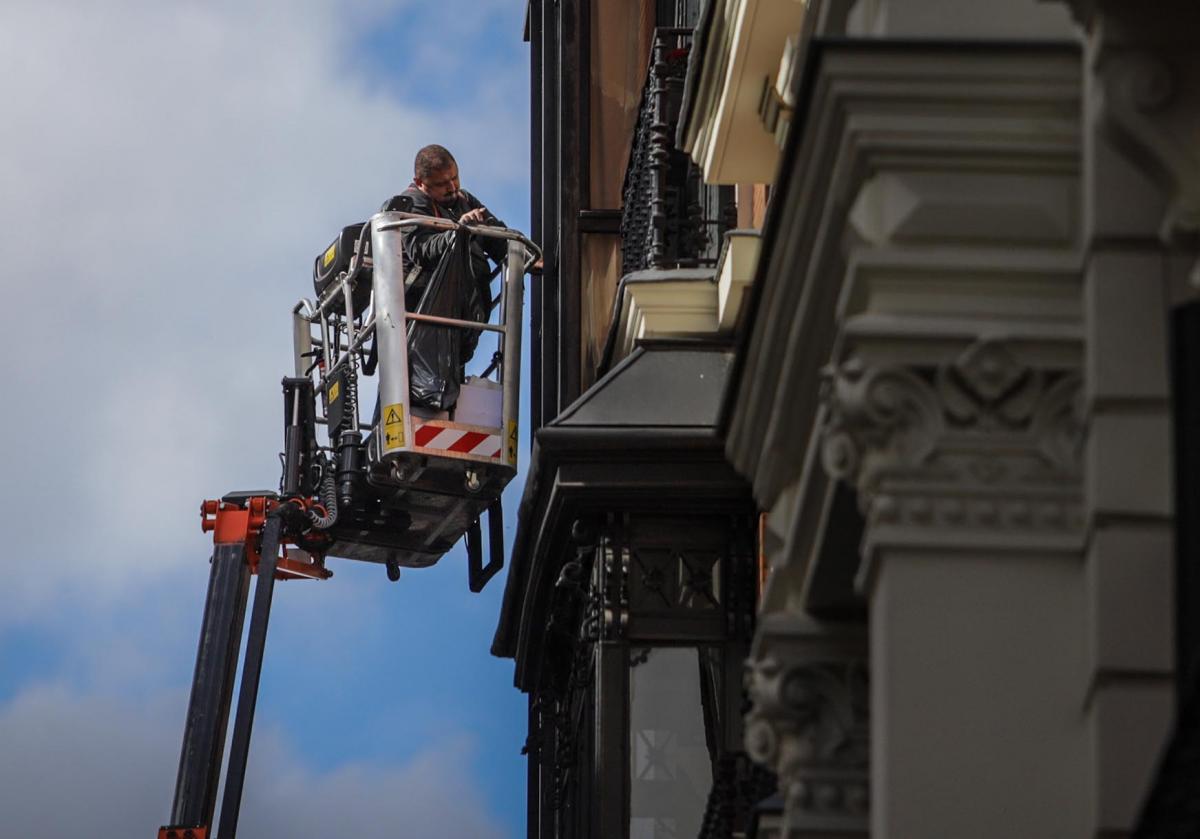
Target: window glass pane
[(670, 768)]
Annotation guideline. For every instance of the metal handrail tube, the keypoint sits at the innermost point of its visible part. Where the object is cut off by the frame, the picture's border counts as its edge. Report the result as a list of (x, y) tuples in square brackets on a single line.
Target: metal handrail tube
[(510, 371), (414, 220), (359, 340), (388, 308), (502, 233), (341, 347), (325, 351), (463, 324), (325, 304), (301, 335), (346, 298)]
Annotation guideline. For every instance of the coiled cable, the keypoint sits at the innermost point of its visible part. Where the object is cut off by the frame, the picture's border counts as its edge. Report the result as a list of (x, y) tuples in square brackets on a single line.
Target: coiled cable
[(328, 496)]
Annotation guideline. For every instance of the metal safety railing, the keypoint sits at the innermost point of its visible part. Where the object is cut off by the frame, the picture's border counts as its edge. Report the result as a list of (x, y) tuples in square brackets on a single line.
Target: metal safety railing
[(343, 331), (670, 218)]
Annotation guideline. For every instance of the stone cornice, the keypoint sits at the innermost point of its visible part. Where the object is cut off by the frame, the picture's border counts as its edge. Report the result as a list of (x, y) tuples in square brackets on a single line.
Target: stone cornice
[(837, 279), (983, 451), (1145, 68), (869, 108), (1150, 108)]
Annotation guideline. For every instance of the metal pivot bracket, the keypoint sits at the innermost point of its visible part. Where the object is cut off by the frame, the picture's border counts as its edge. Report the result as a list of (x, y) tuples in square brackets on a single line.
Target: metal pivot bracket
[(478, 574), (238, 518)]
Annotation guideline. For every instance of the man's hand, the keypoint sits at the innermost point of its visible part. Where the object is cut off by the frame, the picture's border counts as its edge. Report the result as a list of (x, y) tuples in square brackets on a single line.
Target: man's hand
[(477, 216)]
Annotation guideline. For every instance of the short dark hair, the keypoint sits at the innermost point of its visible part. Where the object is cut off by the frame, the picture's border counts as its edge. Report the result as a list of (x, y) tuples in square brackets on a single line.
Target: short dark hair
[(431, 159)]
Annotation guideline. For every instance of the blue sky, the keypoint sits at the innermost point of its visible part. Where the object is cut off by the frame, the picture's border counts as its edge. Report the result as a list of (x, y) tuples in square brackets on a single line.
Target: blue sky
[(169, 170)]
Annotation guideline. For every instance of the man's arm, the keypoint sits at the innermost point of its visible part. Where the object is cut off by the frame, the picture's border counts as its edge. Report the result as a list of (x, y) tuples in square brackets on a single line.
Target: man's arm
[(497, 249), (421, 244), (426, 247)]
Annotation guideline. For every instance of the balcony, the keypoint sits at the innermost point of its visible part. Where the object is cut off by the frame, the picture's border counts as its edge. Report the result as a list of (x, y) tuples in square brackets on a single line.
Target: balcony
[(670, 218)]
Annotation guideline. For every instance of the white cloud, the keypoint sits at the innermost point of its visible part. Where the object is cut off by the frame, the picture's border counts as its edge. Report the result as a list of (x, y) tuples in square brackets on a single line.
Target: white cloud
[(87, 760), (169, 171), (430, 796), (82, 762)]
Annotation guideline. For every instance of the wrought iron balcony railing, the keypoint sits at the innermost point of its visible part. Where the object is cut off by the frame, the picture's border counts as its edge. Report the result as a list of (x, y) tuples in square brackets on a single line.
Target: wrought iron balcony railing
[(669, 217)]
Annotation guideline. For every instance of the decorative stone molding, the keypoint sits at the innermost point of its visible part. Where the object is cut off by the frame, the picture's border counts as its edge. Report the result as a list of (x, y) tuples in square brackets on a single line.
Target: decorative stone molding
[(888, 414), (1148, 111), (932, 202), (987, 188), (982, 443), (988, 208), (1145, 67), (810, 722)]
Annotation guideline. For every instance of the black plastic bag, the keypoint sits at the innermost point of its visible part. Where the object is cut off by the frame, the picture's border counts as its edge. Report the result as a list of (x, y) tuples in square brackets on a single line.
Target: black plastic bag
[(438, 354)]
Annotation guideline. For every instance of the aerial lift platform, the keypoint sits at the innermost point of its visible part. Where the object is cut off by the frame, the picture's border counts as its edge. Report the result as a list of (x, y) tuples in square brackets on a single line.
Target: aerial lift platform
[(400, 489)]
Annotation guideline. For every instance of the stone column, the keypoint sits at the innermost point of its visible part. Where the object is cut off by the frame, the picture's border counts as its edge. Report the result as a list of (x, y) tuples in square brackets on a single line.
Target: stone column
[(941, 258), (1142, 217), (810, 724), (969, 474), (954, 408)]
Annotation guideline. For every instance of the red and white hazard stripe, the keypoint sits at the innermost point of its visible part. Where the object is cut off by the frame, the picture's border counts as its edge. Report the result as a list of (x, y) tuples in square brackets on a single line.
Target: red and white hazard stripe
[(448, 438)]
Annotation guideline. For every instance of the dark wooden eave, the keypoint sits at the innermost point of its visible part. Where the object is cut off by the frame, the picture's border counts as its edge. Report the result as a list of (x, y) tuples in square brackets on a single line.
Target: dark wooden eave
[(641, 440)]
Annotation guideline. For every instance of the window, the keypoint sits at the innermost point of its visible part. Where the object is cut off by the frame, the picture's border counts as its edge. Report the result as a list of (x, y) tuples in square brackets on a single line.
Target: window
[(670, 766)]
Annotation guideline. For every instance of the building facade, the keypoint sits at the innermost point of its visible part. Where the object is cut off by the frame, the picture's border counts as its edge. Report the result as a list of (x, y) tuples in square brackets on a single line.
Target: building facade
[(861, 500)]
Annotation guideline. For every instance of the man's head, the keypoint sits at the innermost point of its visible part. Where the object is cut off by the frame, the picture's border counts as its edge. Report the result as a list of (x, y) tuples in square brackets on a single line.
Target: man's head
[(435, 173)]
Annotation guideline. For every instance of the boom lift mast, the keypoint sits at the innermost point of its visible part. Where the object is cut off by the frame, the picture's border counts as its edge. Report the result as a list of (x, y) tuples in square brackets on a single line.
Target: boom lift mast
[(402, 496)]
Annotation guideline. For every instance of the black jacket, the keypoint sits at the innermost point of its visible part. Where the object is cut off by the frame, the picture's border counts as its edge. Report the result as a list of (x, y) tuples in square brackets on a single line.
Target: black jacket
[(423, 248)]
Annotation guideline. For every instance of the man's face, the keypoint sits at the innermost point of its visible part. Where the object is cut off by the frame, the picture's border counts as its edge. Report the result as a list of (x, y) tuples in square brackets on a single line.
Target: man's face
[(442, 185)]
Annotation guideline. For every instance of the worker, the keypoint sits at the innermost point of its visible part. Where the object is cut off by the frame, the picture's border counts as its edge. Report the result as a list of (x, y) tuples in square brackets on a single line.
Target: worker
[(437, 356), (435, 191)]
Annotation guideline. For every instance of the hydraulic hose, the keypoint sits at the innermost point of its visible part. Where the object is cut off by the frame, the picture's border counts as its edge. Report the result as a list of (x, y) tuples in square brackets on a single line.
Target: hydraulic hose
[(328, 500)]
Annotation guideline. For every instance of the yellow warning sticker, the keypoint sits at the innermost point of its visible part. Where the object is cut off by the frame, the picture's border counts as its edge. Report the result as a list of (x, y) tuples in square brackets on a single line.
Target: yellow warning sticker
[(511, 444), (329, 254), (334, 390), (393, 426)]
